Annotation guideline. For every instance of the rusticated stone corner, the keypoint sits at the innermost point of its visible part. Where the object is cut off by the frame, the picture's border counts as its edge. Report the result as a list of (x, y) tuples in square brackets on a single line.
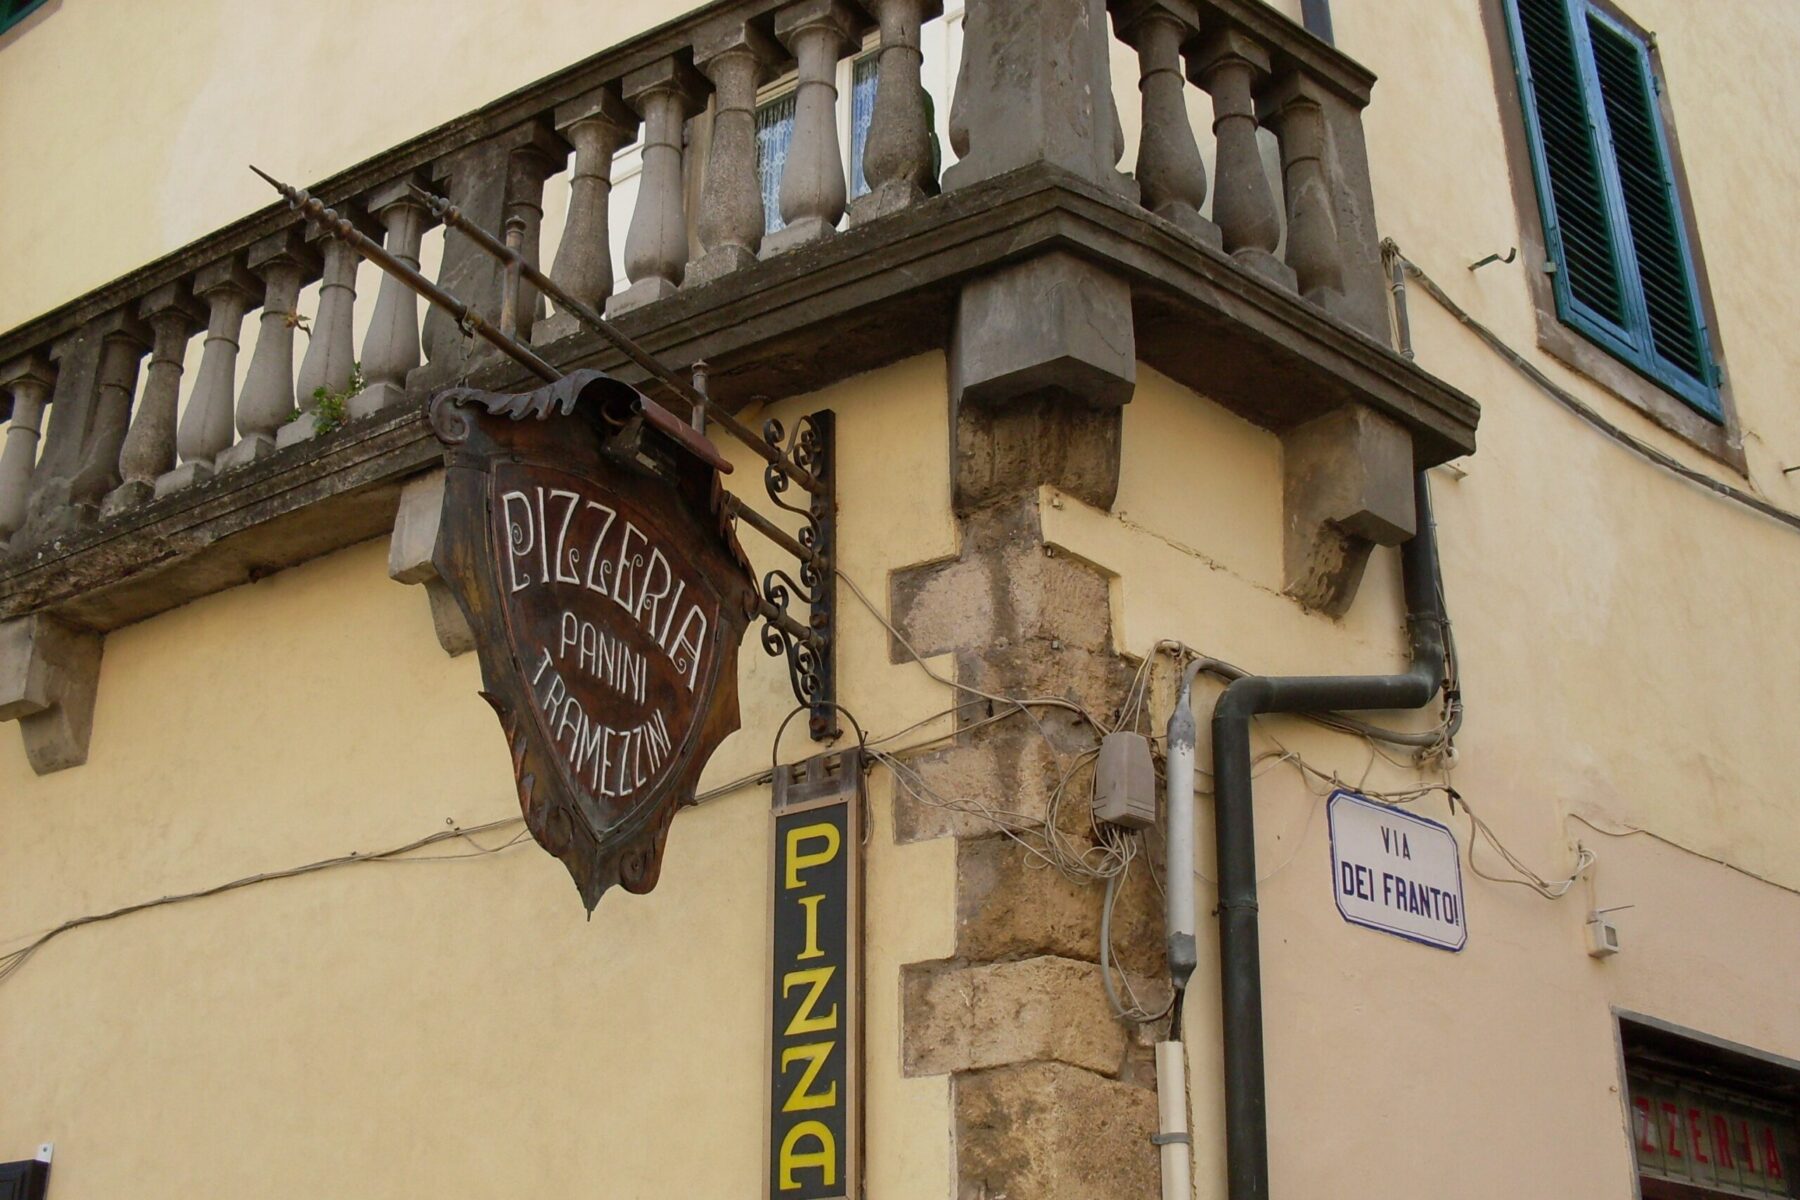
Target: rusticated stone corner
[(409, 559), (1050, 1131), (1042, 356), (1019, 617), (968, 1017), (1347, 487), (49, 674), (1008, 906), (1053, 1092)]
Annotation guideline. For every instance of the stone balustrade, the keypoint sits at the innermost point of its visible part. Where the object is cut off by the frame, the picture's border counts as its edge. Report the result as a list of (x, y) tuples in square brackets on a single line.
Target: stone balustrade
[(180, 405), (126, 439), (1258, 74)]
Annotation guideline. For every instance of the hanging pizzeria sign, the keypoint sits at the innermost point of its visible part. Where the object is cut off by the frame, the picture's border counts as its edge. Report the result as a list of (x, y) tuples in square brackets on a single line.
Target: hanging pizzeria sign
[(588, 541), (584, 538)]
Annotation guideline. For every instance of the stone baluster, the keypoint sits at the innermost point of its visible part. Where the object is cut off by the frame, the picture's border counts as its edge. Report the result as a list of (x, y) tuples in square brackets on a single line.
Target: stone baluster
[(1169, 169), (897, 156), (527, 169), (1292, 109), (149, 450), (391, 346), (330, 360), (736, 57), (49, 510), (499, 177), (665, 94), (284, 261), (123, 340), (1230, 66), (813, 187), (597, 125), (29, 380), (205, 429)]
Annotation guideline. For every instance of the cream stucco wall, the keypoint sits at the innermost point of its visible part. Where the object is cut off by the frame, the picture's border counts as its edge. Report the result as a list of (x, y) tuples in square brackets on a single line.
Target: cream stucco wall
[(1628, 647), (1394, 1067), (125, 127), (455, 1027), (1627, 643)]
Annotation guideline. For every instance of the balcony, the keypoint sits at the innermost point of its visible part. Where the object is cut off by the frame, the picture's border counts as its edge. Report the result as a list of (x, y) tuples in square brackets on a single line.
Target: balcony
[(1261, 287)]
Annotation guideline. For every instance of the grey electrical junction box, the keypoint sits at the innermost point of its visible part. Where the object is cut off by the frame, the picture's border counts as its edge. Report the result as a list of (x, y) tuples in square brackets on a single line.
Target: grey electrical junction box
[(1125, 781)]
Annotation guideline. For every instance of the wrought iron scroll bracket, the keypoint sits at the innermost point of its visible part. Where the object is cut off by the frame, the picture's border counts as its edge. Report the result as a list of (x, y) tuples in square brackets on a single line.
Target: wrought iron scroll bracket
[(807, 457), (811, 659)]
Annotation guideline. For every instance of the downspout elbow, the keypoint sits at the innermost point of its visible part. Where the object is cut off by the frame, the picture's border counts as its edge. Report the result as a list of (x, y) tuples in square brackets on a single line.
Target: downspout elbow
[(1244, 698)]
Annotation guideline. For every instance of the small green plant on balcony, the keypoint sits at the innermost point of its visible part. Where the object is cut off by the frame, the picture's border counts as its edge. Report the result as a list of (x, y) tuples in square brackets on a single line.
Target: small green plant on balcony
[(331, 409)]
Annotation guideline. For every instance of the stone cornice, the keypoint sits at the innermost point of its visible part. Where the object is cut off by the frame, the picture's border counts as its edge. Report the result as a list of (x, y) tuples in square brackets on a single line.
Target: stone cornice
[(871, 295)]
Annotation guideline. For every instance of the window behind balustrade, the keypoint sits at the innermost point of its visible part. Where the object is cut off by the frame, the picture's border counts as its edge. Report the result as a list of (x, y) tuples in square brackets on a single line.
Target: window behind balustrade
[(775, 131)]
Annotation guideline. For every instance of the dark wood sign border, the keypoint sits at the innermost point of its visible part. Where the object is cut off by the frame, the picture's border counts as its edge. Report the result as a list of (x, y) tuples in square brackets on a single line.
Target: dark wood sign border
[(596, 428)]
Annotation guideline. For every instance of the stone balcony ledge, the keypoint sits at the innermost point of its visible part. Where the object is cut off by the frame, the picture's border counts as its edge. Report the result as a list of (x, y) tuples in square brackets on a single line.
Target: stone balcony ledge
[(874, 294)]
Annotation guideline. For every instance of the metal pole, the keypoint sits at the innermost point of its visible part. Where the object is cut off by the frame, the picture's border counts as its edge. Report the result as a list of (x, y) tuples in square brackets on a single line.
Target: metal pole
[(788, 625), (774, 532), (453, 218), (466, 318)]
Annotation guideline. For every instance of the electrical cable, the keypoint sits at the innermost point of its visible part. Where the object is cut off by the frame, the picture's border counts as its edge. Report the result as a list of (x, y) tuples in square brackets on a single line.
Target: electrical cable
[(11, 962), (1633, 831), (1579, 407), (1134, 1012)]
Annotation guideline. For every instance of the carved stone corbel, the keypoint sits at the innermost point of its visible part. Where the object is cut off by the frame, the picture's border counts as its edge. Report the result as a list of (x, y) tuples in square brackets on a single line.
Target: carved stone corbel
[(1042, 359), (1347, 486), (49, 672), (409, 559)]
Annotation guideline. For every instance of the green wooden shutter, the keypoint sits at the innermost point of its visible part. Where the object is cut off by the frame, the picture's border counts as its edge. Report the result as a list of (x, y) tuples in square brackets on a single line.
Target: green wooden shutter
[(1576, 215), (1647, 187), (1624, 272), (14, 11)]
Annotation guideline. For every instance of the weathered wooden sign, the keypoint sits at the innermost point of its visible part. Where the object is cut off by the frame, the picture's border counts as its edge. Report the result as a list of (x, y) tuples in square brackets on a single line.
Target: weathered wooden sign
[(815, 1014), (584, 537)]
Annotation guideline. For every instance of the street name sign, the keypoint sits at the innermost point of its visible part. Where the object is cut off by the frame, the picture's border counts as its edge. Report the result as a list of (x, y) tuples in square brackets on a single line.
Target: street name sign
[(1396, 871)]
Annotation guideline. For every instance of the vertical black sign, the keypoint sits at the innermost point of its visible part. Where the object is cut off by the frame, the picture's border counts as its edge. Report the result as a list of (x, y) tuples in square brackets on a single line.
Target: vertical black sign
[(815, 1055)]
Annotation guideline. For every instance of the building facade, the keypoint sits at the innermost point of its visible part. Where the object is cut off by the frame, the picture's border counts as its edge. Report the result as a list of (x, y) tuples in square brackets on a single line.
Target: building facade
[(1159, 337)]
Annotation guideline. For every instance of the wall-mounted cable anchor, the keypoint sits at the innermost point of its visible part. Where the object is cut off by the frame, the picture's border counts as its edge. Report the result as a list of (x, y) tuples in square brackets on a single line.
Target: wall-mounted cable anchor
[(1511, 255)]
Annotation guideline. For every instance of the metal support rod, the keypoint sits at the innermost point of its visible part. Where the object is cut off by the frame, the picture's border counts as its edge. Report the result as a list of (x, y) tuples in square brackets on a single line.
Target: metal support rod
[(509, 279), (788, 625), (774, 532), (808, 648), (697, 417), (466, 318), (453, 218)]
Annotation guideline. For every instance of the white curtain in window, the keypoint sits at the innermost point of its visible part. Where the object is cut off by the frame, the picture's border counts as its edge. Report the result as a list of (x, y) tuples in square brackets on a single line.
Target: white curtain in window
[(774, 130), (862, 109)]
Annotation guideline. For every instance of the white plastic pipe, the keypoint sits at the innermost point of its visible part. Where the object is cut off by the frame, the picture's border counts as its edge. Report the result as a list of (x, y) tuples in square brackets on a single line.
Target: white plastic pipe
[(1173, 1138), (1178, 895)]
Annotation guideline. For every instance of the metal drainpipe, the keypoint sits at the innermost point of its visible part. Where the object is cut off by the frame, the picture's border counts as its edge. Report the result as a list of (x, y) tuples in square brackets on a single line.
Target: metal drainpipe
[(1316, 16), (1240, 962)]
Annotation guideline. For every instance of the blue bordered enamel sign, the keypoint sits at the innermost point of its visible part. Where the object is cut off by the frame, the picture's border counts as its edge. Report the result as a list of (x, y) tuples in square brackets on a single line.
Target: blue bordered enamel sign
[(1396, 871)]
